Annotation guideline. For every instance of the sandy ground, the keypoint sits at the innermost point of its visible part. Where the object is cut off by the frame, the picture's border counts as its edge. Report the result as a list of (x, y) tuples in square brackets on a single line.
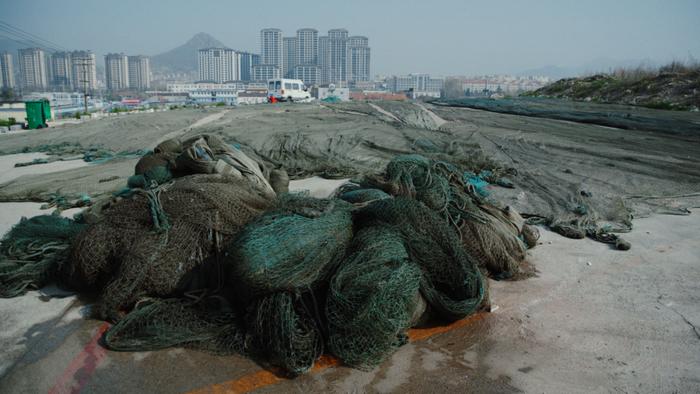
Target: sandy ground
[(594, 320), (11, 212), (8, 171)]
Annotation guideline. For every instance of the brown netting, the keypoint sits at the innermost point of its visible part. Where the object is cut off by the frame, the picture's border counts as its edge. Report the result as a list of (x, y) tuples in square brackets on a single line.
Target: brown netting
[(131, 252)]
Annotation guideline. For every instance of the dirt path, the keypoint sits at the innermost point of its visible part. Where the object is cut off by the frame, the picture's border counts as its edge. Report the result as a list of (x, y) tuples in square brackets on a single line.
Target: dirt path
[(201, 122), (385, 112), (438, 120)]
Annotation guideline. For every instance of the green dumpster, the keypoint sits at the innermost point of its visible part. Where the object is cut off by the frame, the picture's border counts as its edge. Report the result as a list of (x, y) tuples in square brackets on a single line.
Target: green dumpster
[(38, 113)]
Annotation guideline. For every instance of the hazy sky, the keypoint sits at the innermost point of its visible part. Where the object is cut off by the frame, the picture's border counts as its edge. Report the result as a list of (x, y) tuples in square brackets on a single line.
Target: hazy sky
[(442, 37)]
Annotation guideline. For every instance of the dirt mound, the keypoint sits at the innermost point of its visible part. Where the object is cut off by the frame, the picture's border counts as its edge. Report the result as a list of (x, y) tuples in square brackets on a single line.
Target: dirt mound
[(672, 87)]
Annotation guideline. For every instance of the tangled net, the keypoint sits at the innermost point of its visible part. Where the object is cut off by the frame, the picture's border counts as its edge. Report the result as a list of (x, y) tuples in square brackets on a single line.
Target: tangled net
[(131, 253), (204, 251), (33, 251)]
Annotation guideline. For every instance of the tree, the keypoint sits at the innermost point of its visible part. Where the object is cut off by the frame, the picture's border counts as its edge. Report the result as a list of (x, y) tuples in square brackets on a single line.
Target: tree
[(7, 94), (453, 88)]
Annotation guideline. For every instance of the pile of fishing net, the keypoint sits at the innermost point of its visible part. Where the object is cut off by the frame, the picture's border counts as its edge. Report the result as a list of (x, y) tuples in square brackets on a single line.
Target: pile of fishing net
[(200, 251), (495, 237), (33, 251)]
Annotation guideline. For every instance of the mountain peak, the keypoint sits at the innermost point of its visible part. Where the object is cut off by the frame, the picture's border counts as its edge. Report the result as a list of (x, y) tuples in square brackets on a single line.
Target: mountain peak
[(184, 57)]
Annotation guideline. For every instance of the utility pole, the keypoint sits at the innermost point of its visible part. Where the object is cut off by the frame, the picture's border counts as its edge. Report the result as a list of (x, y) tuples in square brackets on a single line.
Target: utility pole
[(84, 78)]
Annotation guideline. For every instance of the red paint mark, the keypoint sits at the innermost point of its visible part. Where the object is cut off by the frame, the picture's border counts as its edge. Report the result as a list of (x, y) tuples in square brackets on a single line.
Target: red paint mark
[(81, 368)]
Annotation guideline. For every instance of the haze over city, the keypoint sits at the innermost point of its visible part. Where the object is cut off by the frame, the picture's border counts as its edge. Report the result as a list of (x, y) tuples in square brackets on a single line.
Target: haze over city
[(438, 37)]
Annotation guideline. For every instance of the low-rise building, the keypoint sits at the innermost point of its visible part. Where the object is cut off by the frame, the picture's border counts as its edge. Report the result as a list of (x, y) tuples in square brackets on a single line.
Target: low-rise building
[(250, 97), (327, 92)]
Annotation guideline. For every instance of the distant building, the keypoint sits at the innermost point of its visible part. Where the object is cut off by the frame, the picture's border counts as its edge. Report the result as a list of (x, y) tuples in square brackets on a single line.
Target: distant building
[(338, 55), (221, 94), (322, 93), (33, 69), (335, 58), (271, 47), (247, 61), (289, 54), (263, 72), (84, 70), (7, 72), (323, 58), (307, 47), (190, 87), (419, 84), (310, 74), (139, 72), (358, 59), (117, 71), (399, 83), (253, 96), (61, 70), (424, 83), (218, 65)]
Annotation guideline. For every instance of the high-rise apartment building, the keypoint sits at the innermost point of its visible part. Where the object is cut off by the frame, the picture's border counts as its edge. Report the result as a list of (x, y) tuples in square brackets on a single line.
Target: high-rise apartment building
[(338, 55), (323, 59), (271, 47), (307, 47), (61, 70), (84, 70), (358, 59), (248, 60), (219, 65), (263, 72), (139, 72), (289, 54), (117, 71), (309, 73), (33, 69), (335, 58), (7, 72)]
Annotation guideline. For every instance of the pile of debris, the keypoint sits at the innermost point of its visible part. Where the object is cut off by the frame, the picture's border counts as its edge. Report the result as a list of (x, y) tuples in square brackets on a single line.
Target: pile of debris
[(205, 248)]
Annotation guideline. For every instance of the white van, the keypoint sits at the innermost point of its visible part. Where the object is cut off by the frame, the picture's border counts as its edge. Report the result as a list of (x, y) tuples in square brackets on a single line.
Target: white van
[(287, 90)]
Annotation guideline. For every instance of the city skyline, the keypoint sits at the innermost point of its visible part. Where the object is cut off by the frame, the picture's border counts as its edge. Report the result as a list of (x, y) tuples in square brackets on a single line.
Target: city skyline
[(454, 38)]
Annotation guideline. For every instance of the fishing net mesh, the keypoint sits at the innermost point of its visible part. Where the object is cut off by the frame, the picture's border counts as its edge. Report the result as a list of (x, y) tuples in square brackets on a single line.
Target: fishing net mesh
[(145, 245), (216, 261), (32, 251)]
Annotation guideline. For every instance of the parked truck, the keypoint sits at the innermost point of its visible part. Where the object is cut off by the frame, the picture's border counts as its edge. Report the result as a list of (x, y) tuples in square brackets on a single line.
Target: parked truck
[(38, 113)]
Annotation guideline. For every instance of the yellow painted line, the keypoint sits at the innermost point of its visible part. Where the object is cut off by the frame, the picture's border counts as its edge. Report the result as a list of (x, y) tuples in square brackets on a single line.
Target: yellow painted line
[(266, 378)]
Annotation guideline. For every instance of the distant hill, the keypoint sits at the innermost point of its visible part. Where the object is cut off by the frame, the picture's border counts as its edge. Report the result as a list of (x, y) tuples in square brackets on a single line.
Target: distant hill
[(674, 86), (184, 57)]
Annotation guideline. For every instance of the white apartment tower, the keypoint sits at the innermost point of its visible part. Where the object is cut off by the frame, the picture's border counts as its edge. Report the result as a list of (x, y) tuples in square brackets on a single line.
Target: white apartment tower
[(84, 70), (289, 54), (309, 73), (139, 72), (32, 68), (307, 47), (271, 53), (338, 55), (117, 71), (263, 72), (7, 72), (219, 65), (61, 70), (358, 59)]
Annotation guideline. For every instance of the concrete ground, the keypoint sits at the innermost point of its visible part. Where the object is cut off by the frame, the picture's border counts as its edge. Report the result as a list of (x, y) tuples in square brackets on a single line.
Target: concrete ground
[(594, 320)]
